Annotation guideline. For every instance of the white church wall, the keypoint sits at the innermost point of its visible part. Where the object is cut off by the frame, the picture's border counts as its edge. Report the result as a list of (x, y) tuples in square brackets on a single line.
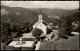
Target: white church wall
[(42, 27)]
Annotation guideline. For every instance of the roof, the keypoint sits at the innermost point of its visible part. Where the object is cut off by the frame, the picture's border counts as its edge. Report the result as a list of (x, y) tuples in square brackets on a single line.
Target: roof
[(45, 23)]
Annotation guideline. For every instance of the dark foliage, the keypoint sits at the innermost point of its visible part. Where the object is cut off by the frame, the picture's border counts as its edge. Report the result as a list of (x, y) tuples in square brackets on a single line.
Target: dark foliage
[(65, 27), (13, 30), (49, 31), (36, 32), (65, 37)]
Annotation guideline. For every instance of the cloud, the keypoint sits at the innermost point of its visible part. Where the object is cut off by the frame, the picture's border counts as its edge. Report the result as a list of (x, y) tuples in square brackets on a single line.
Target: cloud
[(43, 4)]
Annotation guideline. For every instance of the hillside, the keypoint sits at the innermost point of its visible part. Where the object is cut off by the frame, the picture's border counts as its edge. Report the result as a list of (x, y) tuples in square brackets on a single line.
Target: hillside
[(73, 15), (52, 12), (16, 14), (72, 12)]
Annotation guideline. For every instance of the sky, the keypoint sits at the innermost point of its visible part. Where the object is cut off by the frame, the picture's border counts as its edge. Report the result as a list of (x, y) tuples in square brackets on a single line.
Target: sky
[(70, 5)]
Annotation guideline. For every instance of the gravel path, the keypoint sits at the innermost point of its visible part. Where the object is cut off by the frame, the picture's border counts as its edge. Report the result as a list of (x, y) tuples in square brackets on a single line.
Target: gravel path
[(38, 45)]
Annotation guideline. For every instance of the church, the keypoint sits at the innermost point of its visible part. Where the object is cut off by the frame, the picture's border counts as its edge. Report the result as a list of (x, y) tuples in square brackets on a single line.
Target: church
[(41, 24)]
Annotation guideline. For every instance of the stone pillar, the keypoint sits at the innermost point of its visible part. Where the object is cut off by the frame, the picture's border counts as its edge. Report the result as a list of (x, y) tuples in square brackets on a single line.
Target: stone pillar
[(20, 40), (40, 17)]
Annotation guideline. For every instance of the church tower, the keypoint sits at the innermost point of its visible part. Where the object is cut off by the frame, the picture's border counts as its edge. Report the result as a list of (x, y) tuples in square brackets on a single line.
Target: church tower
[(40, 16)]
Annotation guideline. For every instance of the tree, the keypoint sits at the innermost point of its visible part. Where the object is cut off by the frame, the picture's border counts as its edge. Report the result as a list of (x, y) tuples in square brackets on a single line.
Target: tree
[(49, 30), (30, 28), (62, 31), (65, 26), (36, 32), (9, 31)]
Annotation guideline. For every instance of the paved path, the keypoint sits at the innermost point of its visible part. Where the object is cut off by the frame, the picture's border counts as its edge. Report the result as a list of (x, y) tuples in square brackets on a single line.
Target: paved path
[(55, 35), (38, 45), (55, 31)]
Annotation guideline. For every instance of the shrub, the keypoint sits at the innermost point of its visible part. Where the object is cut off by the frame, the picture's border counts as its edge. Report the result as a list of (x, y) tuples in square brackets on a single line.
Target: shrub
[(30, 28), (64, 36), (49, 30), (14, 34), (36, 32), (62, 31)]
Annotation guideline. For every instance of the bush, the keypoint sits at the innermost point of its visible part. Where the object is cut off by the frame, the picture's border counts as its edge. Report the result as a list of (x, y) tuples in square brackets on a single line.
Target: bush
[(61, 31), (65, 29), (36, 32), (64, 36), (49, 30), (30, 28), (14, 34)]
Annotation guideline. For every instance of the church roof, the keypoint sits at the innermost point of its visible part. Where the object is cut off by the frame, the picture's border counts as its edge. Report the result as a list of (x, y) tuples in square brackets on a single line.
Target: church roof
[(40, 21), (45, 23)]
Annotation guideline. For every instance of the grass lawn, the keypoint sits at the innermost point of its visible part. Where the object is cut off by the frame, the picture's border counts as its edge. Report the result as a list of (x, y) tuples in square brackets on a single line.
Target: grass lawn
[(72, 43)]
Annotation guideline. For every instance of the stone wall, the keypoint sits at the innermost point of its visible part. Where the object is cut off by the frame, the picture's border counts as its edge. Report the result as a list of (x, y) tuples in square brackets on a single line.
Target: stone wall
[(6, 47)]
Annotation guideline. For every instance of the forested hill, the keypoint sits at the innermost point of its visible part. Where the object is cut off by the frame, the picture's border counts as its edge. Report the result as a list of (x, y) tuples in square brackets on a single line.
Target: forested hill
[(17, 14), (66, 25), (73, 15), (72, 12), (52, 12)]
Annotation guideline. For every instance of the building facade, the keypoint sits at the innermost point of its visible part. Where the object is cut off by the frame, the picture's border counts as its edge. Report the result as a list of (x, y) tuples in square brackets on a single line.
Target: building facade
[(41, 25)]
